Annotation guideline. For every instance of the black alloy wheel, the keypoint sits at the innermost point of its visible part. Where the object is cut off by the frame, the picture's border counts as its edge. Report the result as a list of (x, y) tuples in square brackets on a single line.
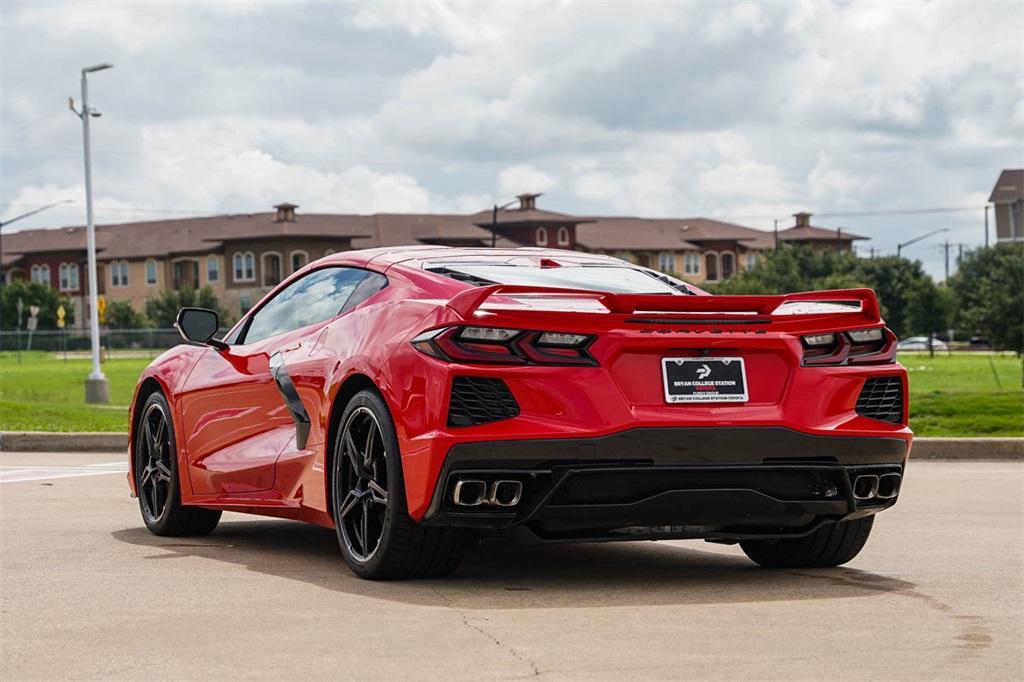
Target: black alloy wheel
[(363, 484), (378, 538), (153, 462), (156, 475)]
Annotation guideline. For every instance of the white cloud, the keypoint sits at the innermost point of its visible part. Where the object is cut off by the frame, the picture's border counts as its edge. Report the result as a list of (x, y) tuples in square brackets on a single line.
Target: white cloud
[(524, 178), (745, 180), (724, 109)]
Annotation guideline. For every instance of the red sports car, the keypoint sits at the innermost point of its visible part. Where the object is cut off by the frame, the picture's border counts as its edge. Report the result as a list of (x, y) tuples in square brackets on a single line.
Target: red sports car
[(416, 398)]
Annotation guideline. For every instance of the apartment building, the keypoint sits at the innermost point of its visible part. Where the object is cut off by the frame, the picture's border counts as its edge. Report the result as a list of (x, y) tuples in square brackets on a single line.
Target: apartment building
[(243, 256)]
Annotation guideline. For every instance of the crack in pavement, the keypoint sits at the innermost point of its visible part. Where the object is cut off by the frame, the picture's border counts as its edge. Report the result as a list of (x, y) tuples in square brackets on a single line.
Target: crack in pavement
[(535, 671)]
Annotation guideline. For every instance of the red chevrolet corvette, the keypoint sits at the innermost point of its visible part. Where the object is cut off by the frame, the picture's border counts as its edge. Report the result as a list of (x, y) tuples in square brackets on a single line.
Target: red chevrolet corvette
[(416, 398)]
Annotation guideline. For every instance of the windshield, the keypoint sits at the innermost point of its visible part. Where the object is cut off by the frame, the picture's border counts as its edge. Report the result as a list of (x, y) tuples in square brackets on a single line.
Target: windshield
[(613, 279)]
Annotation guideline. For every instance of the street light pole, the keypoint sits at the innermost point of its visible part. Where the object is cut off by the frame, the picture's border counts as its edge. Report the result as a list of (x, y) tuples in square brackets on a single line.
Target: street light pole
[(494, 221), (96, 390), (899, 247)]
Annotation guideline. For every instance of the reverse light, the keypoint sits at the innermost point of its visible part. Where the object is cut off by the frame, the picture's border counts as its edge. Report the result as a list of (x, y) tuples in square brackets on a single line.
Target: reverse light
[(854, 347), (820, 339), (502, 346), (487, 334), (560, 339), (865, 335)]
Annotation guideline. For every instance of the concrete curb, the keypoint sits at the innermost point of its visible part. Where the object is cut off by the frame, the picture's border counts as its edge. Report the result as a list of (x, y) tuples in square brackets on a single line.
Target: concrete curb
[(1007, 449), (43, 441)]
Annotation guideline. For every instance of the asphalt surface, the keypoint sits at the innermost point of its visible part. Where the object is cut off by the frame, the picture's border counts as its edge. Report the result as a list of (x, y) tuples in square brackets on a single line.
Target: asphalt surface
[(87, 592)]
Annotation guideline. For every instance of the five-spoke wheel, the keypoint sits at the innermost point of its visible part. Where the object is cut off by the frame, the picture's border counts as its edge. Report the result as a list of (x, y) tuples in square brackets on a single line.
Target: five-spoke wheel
[(156, 475), (363, 483), (378, 538), (154, 461)]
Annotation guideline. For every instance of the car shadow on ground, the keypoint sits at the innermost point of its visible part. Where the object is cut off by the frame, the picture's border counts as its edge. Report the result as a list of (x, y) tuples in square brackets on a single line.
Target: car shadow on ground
[(500, 574)]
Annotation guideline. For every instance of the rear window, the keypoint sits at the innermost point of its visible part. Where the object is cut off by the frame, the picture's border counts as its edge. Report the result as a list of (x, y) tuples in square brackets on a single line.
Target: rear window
[(613, 279)]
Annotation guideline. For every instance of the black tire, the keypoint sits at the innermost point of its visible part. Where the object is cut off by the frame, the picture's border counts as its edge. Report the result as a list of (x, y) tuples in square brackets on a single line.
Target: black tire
[(390, 545), (156, 476), (831, 545)]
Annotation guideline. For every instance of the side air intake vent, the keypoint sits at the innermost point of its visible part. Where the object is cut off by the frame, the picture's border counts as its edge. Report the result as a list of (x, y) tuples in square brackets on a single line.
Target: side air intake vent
[(480, 400), (882, 399)]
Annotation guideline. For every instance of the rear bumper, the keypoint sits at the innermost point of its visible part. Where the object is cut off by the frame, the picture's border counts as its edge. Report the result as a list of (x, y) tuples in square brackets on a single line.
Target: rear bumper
[(727, 483)]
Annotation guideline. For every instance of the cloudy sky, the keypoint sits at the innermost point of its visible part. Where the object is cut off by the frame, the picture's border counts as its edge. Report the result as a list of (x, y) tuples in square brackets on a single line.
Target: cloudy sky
[(743, 111)]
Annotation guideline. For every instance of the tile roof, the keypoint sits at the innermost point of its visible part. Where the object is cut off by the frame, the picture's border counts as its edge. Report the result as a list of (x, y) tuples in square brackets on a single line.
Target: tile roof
[(615, 232), (809, 233), (1009, 186), (197, 235)]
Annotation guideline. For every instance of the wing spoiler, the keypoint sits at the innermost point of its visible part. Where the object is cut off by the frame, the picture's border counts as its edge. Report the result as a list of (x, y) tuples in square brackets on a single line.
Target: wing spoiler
[(860, 303)]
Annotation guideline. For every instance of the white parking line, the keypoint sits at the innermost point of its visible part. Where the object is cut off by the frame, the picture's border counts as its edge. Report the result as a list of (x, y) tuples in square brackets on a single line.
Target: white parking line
[(19, 474)]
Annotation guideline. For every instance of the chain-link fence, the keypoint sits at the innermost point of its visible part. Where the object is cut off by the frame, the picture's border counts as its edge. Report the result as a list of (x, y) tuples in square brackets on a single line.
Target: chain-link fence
[(76, 340)]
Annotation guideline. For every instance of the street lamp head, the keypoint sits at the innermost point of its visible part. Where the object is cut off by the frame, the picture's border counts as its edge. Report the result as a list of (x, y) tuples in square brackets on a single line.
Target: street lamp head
[(97, 67)]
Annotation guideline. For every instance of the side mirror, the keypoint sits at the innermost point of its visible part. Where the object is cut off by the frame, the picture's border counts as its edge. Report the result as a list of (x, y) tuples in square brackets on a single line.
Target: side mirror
[(198, 325)]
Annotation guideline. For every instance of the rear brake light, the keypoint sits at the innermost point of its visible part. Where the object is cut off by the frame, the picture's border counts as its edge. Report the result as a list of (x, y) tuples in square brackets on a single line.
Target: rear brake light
[(498, 345), (854, 347)]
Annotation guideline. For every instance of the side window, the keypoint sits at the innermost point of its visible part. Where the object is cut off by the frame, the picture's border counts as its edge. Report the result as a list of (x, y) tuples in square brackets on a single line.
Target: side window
[(318, 296)]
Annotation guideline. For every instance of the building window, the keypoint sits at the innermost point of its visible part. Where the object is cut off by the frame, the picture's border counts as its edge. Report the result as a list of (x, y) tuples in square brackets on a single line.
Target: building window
[(666, 262), (728, 264), (186, 273), (40, 274), (542, 236), (563, 236), (271, 269), (691, 263), (243, 266), (299, 260), (119, 273), (68, 276), (244, 304), (212, 268), (750, 261), (150, 272), (711, 266)]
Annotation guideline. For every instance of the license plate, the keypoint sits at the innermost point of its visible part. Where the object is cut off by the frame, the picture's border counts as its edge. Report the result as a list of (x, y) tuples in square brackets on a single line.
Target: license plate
[(704, 380)]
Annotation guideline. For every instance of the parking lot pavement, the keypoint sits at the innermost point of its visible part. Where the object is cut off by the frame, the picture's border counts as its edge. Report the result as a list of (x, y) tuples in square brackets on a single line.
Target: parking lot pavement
[(87, 592)]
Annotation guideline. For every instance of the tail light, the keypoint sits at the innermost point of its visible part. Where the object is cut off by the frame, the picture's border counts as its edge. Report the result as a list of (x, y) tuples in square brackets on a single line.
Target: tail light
[(501, 346), (875, 346)]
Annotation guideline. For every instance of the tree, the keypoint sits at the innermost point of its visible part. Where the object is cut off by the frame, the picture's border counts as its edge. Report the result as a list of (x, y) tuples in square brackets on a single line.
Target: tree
[(163, 310), (801, 268), (121, 315), (32, 293), (929, 309), (990, 289)]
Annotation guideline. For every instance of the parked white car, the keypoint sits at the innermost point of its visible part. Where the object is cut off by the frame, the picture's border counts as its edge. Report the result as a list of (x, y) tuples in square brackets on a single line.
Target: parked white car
[(921, 343)]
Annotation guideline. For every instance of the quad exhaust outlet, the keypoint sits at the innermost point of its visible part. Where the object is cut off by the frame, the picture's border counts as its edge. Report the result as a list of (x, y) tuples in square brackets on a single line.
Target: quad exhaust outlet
[(472, 492), (880, 487)]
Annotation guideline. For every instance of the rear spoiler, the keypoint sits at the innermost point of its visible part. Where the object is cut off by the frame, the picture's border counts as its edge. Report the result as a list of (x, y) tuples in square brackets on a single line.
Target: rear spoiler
[(862, 302)]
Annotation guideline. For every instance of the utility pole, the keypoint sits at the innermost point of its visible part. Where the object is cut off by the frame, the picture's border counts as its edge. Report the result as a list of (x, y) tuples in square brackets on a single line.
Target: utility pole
[(776, 234), (945, 247), (96, 389)]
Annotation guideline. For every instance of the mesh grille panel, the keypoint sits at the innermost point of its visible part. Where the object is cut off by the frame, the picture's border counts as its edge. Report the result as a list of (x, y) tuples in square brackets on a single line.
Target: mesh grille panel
[(480, 400), (882, 399)]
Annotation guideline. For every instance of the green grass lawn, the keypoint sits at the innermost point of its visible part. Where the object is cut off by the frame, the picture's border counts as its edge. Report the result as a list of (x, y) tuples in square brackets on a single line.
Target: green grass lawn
[(44, 393), (965, 395), (959, 395)]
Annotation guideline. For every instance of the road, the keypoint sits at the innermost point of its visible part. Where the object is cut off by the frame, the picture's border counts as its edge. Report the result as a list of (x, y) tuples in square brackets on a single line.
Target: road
[(87, 592)]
